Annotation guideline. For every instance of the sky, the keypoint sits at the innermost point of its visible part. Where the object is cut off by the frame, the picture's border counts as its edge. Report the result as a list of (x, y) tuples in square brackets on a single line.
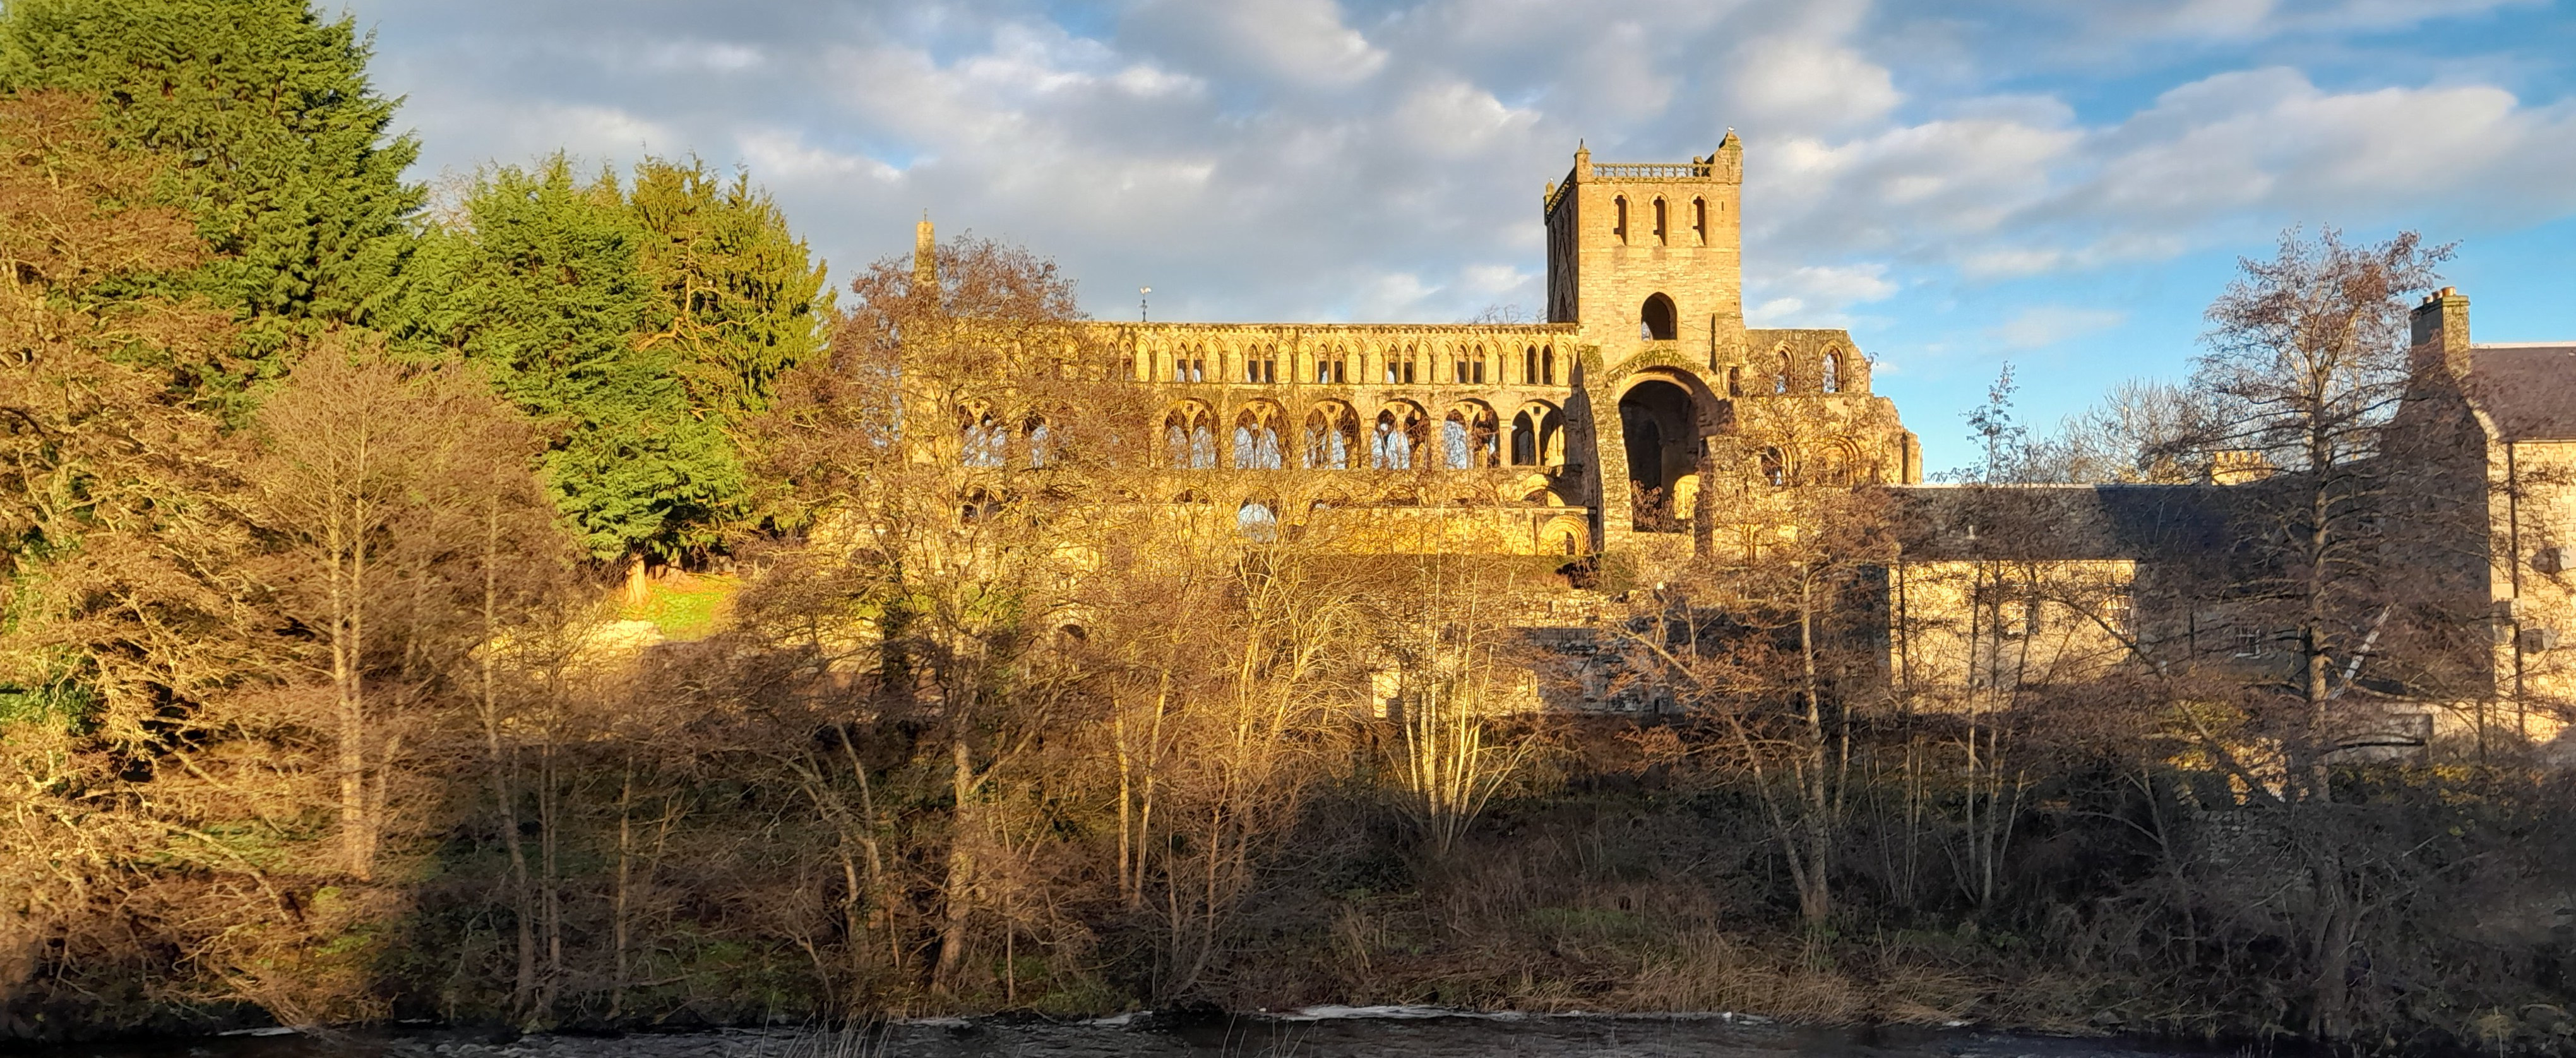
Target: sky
[(1961, 184)]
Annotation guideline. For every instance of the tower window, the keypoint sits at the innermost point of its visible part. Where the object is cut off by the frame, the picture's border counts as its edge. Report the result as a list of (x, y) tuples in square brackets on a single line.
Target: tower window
[(1699, 219), (1657, 320), (1831, 377), (1662, 233), (1619, 218)]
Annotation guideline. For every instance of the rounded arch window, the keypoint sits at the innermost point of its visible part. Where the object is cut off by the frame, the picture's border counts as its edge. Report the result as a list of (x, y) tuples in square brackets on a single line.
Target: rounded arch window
[(1257, 522), (1657, 320)]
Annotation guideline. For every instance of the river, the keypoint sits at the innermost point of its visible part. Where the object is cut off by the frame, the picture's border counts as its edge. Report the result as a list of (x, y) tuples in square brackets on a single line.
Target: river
[(1384, 1032)]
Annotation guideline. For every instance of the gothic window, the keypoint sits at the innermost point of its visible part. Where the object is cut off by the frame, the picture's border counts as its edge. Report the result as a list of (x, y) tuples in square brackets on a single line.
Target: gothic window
[(1529, 366), (1619, 218), (1041, 440), (1661, 234), (1830, 377), (983, 439), (1261, 364), (1735, 382), (1524, 440), (1780, 374), (1332, 433), (1256, 438), (1189, 438), (1467, 438), (1547, 366), (1396, 437), (1476, 365), (1699, 219)]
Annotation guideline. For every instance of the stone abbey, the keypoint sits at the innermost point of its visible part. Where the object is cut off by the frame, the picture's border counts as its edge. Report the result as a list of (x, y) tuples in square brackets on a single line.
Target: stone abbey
[(1643, 426), (1569, 437)]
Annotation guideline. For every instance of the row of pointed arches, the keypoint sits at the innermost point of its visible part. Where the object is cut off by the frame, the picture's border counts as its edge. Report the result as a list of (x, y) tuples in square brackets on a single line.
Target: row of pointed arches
[(1473, 363), (1334, 435)]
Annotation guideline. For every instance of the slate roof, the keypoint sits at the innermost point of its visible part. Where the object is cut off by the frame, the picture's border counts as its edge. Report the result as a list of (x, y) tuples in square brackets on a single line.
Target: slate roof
[(2529, 390), (2061, 522)]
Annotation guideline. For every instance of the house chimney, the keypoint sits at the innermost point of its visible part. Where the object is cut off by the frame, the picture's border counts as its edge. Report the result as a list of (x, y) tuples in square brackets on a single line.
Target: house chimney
[(2441, 329)]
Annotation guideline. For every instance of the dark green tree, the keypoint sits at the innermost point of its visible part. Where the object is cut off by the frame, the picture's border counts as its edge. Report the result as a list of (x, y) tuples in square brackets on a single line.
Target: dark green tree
[(275, 141), (742, 300), (542, 282)]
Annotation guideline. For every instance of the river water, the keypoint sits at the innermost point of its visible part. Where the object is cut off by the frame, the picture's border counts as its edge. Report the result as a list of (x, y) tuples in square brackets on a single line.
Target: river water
[(1317, 1033)]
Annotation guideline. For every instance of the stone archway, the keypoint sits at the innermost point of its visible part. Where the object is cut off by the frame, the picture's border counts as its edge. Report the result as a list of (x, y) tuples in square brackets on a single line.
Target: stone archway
[(1659, 430)]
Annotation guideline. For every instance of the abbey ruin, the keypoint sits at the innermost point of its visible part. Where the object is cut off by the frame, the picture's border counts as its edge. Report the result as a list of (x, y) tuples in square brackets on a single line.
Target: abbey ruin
[(1642, 426)]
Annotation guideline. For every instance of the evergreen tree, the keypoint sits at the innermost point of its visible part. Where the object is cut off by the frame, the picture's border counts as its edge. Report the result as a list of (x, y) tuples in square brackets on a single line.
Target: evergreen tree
[(742, 301), (276, 142), (543, 284)]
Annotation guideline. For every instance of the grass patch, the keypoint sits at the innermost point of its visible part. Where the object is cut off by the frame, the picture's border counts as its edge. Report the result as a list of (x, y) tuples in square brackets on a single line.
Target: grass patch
[(685, 606)]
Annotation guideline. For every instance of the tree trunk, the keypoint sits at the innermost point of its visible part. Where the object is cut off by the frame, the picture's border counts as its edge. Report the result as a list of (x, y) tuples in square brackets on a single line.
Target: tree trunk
[(958, 888)]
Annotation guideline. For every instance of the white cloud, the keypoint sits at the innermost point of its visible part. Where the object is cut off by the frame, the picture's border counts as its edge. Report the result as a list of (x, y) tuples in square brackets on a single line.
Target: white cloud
[(1301, 158), (2040, 326)]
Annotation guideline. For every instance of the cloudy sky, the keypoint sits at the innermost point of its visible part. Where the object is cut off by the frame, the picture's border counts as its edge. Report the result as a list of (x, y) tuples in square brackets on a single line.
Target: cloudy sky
[(1961, 183)]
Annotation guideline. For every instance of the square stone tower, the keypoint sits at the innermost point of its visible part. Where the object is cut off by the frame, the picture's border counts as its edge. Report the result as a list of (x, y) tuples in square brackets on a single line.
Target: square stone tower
[(1650, 257)]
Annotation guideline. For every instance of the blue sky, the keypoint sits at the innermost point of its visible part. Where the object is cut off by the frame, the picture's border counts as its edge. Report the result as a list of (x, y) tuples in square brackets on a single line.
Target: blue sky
[(2062, 185)]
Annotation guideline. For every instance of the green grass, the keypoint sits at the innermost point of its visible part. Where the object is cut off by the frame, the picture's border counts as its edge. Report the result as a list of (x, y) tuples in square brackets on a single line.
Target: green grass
[(684, 606)]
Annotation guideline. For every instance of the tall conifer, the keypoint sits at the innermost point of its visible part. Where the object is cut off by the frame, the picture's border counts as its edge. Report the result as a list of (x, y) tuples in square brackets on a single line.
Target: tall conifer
[(276, 142), (543, 284), (742, 300)]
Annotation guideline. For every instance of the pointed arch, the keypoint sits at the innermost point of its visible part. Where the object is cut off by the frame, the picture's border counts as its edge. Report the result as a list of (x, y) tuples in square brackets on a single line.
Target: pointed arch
[(1467, 437), (1189, 437), (1547, 365), (1256, 437), (1619, 218), (982, 439), (1332, 436), (1829, 373), (1699, 220), (1400, 431), (1780, 371), (1663, 226)]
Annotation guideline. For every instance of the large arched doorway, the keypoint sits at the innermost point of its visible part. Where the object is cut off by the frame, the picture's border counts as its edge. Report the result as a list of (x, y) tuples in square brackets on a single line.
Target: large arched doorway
[(1660, 431)]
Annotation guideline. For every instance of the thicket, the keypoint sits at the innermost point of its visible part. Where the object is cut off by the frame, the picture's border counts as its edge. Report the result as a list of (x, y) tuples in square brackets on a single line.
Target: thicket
[(316, 707)]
